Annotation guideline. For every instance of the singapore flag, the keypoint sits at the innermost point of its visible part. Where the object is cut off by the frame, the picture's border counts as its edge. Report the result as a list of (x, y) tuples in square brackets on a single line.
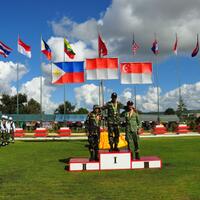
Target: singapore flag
[(136, 73)]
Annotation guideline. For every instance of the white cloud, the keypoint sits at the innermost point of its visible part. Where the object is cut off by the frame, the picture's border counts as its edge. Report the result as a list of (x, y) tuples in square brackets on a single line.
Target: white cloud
[(8, 75), (32, 90), (143, 17), (80, 48), (126, 95), (87, 95)]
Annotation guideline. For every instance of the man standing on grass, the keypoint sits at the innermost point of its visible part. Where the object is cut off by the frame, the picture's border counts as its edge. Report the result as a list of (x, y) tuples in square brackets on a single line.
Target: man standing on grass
[(4, 130), (133, 126), (93, 123), (113, 121), (11, 129)]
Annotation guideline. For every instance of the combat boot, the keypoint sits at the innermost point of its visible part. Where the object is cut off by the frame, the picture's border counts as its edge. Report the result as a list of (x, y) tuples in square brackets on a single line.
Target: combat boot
[(92, 155), (116, 148), (96, 156), (137, 156)]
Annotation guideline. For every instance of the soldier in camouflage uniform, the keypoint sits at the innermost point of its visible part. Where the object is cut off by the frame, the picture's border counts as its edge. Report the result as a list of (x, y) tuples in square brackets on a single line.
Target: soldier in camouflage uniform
[(93, 123), (113, 121), (133, 126)]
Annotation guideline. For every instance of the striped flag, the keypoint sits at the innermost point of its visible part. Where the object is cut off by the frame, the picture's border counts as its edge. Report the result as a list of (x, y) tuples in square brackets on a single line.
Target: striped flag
[(154, 47), (68, 72), (196, 49), (68, 49), (175, 45), (45, 49), (4, 50), (102, 68), (24, 48), (135, 47)]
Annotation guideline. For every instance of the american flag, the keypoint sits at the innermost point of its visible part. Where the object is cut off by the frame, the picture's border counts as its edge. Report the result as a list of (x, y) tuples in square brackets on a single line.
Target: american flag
[(135, 47)]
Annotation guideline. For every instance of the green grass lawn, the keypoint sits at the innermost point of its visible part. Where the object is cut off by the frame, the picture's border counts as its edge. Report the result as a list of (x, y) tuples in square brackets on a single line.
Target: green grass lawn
[(35, 170)]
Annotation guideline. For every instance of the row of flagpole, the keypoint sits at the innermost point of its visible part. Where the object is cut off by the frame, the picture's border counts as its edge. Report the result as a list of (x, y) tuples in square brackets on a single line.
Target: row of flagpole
[(155, 45)]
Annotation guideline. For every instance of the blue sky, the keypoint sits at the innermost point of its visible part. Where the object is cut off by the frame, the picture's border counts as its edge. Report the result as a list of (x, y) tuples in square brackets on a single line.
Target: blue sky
[(117, 20)]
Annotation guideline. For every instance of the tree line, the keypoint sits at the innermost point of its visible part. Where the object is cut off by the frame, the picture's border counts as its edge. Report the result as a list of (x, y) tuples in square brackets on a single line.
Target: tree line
[(8, 105)]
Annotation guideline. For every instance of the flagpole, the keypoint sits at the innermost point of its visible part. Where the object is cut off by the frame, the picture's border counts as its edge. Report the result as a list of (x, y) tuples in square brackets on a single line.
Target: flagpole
[(18, 90), (135, 94), (18, 94), (158, 96), (134, 88), (178, 77), (64, 89), (41, 88)]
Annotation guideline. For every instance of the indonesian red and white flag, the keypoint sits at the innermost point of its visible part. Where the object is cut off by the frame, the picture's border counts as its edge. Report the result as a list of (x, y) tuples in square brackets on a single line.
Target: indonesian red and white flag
[(102, 68), (24, 48), (136, 73)]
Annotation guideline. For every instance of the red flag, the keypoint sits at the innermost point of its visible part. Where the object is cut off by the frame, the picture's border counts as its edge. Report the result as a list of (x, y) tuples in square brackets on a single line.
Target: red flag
[(196, 49), (136, 73), (175, 45), (102, 47), (102, 68)]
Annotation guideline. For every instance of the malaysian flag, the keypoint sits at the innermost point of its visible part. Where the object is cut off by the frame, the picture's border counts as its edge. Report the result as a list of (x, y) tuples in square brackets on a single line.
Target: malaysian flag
[(135, 47), (4, 50)]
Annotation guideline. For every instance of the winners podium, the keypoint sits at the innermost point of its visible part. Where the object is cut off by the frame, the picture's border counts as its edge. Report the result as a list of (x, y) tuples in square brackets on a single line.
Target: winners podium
[(114, 161)]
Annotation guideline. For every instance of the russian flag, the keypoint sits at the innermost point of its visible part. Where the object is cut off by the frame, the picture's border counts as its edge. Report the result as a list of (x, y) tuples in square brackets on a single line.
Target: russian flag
[(4, 50), (68, 72), (45, 49)]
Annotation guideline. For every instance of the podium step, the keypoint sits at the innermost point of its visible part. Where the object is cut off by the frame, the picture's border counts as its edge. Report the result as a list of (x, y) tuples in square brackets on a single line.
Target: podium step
[(147, 162), (114, 161)]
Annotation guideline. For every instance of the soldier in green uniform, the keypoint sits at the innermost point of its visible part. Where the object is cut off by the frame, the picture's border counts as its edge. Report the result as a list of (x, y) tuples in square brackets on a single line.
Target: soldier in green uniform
[(133, 126), (93, 123), (113, 121)]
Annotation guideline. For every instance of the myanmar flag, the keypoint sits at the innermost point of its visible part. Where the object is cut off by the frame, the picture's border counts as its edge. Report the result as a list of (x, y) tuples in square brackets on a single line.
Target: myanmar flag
[(68, 50)]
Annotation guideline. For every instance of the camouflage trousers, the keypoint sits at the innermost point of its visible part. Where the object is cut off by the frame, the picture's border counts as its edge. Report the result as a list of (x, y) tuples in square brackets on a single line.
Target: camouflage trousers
[(93, 140), (113, 135), (132, 139), (4, 137)]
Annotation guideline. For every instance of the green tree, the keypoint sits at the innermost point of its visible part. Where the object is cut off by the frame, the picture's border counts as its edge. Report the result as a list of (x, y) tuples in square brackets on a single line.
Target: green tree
[(32, 107), (82, 111), (68, 106), (8, 103), (169, 111), (181, 110)]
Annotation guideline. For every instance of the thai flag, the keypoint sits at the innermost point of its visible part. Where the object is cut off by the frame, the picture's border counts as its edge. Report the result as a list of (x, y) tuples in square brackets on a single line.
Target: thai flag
[(68, 72), (154, 47), (4, 50)]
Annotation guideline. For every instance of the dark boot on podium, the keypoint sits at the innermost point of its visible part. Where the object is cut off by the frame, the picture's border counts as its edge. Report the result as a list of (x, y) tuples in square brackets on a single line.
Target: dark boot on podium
[(92, 155), (137, 155), (111, 147), (115, 148), (96, 158)]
